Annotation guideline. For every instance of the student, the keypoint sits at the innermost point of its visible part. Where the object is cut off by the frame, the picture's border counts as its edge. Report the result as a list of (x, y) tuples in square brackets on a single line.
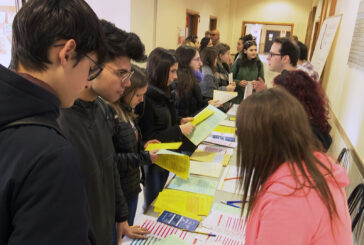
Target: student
[(239, 48), (42, 197), (304, 65), (205, 42), (209, 82), (192, 41), (248, 68), (313, 99), (187, 95), (222, 65), (283, 55), (128, 141), (158, 119), (90, 129), (296, 193)]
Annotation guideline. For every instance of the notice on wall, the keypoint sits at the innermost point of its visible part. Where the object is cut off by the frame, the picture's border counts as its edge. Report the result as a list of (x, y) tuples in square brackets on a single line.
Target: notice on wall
[(324, 42), (356, 55)]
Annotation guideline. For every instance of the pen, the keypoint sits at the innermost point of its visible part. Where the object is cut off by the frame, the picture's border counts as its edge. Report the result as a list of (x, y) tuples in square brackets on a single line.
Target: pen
[(230, 204), (238, 201), (199, 232), (231, 178)]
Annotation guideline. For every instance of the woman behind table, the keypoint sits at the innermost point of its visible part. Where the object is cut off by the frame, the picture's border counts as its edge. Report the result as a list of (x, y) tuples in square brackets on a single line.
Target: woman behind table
[(188, 97), (313, 99), (296, 193), (158, 119), (209, 82), (247, 68), (128, 141), (222, 65)]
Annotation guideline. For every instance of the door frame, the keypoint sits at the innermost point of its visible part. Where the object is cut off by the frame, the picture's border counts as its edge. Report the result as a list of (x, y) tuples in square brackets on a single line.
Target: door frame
[(266, 23)]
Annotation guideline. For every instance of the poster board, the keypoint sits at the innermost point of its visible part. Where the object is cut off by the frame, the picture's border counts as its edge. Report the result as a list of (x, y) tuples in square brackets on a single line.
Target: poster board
[(356, 55), (324, 42)]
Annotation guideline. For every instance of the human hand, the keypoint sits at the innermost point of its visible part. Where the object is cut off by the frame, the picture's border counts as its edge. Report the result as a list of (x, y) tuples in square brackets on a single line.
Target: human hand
[(137, 232), (186, 120), (243, 83), (187, 128), (231, 87), (153, 155), (151, 141), (260, 85), (215, 103)]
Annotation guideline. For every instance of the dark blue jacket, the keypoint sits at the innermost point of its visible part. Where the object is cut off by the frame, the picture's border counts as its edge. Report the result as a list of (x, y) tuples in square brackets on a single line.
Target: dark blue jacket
[(42, 198)]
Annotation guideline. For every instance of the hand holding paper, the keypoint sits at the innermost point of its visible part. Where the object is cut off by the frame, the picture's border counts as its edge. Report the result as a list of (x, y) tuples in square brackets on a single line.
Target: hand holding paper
[(224, 96)]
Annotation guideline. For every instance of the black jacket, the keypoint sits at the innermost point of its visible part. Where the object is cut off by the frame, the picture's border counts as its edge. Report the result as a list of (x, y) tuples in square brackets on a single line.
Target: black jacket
[(42, 198), (158, 119), (90, 131), (130, 155), (192, 104)]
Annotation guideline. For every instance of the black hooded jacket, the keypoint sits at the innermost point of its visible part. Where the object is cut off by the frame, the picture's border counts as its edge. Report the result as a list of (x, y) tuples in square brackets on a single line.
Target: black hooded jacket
[(89, 126), (42, 198)]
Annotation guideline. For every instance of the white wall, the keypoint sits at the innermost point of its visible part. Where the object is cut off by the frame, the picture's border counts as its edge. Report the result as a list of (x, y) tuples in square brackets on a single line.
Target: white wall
[(345, 84), (115, 11), (171, 16)]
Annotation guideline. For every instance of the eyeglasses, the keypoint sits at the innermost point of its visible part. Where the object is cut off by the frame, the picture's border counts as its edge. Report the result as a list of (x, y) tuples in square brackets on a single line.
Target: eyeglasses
[(122, 74), (271, 54), (94, 71), (197, 59)]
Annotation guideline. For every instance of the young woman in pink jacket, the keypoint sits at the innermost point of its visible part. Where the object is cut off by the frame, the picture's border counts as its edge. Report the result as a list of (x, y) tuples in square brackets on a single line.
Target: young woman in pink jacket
[(293, 193)]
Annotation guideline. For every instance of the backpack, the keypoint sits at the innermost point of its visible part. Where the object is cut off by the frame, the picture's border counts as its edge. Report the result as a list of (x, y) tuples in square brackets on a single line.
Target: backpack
[(33, 120)]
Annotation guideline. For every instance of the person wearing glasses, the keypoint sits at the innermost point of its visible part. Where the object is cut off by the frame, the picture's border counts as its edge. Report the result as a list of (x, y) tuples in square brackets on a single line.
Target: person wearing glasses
[(89, 125), (283, 55), (42, 195), (247, 68), (293, 192), (157, 116)]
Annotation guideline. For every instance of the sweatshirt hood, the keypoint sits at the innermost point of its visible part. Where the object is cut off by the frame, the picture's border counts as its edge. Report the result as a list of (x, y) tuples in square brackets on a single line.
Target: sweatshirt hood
[(20, 98)]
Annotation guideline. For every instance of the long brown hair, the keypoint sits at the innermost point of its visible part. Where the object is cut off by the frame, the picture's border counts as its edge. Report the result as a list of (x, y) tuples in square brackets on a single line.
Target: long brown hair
[(138, 81), (273, 129)]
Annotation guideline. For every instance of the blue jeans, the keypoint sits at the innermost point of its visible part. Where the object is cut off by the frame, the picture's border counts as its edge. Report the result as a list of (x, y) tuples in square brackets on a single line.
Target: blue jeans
[(155, 179), (132, 207)]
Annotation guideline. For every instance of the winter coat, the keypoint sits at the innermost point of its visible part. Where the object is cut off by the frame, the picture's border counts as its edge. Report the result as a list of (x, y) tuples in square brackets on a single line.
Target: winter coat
[(42, 197), (192, 104), (131, 154), (89, 126)]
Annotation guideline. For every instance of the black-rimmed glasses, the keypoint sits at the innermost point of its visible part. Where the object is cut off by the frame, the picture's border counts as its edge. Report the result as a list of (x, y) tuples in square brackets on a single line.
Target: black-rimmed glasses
[(271, 54), (94, 71), (122, 74)]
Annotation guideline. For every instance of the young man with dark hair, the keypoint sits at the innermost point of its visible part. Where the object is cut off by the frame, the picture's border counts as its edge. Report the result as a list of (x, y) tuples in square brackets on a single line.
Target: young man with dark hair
[(304, 65), (283, 55), (42, 198), (89, 126)]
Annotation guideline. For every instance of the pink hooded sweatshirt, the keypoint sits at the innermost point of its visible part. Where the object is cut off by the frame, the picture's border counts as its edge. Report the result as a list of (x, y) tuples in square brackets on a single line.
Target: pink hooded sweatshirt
[(280, 217)]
